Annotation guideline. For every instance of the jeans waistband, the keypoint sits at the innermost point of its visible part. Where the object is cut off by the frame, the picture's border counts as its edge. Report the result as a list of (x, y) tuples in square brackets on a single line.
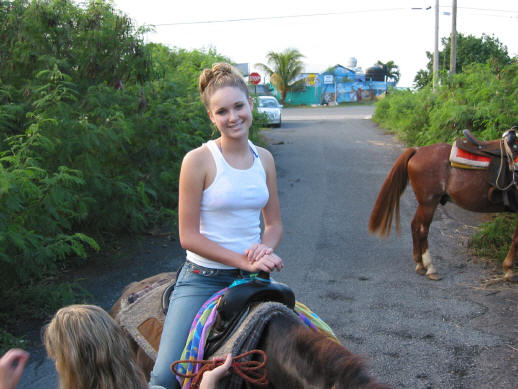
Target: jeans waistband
[(207, 271)]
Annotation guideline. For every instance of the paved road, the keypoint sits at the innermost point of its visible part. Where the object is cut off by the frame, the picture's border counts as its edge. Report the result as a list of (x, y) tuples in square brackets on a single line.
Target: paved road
[(415, 333)]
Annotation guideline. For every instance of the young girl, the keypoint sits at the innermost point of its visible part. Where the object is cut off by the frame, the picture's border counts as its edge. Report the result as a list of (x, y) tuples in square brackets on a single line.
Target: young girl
[(90, 352), (224, 186)]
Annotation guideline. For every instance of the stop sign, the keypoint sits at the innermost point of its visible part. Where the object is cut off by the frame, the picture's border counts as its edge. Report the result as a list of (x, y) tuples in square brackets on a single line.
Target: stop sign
[(255, 78)]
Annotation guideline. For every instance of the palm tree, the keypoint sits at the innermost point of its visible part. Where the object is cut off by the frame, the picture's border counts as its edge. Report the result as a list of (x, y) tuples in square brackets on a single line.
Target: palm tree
[(283, 69), (391, 71)]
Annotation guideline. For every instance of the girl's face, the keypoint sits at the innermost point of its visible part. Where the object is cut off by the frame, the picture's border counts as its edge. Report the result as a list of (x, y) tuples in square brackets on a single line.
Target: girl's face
[(231, 111)]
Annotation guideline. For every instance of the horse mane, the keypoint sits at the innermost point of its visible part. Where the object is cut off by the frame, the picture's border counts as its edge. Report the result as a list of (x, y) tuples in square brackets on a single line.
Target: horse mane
[(316, 360)]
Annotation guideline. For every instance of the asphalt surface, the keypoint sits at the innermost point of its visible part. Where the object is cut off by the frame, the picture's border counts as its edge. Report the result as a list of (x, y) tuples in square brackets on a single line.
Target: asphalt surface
[(460, 332)]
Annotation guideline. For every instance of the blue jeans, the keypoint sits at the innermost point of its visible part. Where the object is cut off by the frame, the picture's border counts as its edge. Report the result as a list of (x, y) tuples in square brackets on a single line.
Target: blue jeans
[(194, 285)]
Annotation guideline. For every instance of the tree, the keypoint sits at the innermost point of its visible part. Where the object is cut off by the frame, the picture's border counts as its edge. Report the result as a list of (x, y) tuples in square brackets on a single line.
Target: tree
[(391, 71), (470, 49), (283, 69)]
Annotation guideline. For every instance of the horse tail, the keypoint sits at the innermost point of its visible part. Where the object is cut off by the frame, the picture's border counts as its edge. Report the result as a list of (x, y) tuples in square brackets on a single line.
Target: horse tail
[(387, 202)]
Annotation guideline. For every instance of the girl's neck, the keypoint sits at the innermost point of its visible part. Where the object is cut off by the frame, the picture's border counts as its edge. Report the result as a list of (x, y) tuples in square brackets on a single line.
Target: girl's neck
[(233, 146), (237, 153)]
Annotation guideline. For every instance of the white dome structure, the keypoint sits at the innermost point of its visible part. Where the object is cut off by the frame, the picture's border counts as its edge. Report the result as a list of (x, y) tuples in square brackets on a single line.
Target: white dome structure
[(351, 63)]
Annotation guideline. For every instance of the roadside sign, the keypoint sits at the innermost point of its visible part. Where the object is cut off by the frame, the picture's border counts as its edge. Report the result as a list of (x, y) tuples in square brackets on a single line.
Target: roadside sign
[(310, 79), (255, 78), (243, 68), (328, 79)]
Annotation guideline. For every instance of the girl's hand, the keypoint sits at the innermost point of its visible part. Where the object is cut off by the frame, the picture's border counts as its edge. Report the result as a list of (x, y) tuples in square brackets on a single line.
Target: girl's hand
[(268, 263), (211, 378), (11, 368), (257, 251)]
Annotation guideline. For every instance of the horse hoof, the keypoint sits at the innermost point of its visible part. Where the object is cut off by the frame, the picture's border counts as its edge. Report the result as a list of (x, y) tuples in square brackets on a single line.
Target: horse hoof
[(434, 276), (511, 277), (419, 269)]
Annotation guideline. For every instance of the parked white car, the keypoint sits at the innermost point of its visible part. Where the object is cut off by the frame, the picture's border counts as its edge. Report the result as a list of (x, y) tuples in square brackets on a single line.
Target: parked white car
[(271, 107)]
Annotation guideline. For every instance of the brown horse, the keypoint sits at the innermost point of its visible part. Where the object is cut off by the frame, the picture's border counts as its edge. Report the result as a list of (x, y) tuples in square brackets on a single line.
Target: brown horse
[(434, 181), (297, 357)]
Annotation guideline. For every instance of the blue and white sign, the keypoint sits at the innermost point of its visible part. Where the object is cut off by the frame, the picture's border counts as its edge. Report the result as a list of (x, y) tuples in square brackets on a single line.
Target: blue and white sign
[(328, 79)]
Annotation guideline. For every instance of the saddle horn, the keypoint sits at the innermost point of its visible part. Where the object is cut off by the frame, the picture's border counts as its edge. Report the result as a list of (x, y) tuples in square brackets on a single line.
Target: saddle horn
[(467, 133)]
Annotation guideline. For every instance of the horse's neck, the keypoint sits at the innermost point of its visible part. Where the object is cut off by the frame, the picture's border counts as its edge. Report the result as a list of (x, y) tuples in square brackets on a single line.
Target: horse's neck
[(287, 368), (299, 357)]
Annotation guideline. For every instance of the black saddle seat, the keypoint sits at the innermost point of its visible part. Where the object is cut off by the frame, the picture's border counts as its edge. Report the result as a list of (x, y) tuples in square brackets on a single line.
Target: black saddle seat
[(235, 303), (259, 289)]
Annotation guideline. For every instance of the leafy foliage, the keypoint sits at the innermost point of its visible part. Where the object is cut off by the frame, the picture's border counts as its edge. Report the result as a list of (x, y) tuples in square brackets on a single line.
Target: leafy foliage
[(470, 50), (94, 125), (477, 99)]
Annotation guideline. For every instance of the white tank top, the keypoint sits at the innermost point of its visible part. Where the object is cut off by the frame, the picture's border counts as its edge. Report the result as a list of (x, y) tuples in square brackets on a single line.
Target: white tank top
[(231, 206)]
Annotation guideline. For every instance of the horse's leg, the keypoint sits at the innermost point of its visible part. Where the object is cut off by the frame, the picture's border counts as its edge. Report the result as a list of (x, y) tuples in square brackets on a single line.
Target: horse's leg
[(420, 228), (508, 263)]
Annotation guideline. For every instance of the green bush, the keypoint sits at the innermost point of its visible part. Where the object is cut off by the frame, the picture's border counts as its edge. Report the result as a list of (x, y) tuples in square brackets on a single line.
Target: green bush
[(478, 99)]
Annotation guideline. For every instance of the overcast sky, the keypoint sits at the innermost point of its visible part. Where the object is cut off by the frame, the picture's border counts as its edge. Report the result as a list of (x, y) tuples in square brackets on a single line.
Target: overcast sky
[(330, 32)]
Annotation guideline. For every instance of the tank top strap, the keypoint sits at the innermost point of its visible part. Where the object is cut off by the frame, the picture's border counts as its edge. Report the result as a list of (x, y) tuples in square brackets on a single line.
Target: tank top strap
[(216, 155), (254, 149)]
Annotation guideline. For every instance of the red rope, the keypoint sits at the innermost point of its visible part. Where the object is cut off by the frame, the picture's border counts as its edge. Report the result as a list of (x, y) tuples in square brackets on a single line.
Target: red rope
[(251, 371)]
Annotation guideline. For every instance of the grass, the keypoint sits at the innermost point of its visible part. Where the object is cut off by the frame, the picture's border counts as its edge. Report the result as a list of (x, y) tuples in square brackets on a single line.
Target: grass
[(493, 237)]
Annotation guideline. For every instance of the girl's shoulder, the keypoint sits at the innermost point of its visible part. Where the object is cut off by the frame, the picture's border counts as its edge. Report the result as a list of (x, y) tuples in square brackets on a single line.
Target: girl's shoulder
[(264, 152), (266, 157), (198, 157)]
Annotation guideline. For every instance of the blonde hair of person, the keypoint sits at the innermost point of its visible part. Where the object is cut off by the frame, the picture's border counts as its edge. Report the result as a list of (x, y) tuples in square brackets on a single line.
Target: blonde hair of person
[(91, 351), (220, 75)]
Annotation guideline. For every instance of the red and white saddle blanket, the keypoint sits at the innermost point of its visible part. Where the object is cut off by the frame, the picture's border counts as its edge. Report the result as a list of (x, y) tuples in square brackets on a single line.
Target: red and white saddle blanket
[(465, 160)]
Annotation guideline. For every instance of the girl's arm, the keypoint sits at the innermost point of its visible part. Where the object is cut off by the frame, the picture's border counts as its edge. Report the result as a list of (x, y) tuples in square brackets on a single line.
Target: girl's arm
[(272, 233), (271, 212)]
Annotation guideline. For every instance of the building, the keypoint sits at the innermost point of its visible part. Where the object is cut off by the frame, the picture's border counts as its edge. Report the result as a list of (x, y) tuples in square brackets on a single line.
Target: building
[(338, 84)]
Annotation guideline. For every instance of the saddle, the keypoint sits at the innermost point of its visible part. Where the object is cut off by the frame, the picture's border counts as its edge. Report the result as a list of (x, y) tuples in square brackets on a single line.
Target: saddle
[(489, 149), (142, 312), (499, 157), (236, 302)]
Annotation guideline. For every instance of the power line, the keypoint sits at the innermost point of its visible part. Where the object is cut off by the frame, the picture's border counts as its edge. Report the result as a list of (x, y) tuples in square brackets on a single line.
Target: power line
[(489, 9), (323, 14), (507, 12), (280, 17)]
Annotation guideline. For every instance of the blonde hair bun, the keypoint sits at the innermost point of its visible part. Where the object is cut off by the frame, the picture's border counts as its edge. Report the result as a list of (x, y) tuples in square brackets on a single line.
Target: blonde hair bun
[(221, 74)]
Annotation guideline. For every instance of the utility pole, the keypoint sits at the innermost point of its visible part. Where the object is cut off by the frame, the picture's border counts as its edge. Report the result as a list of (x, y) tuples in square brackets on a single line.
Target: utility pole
[(453, 39), (436, 48)]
